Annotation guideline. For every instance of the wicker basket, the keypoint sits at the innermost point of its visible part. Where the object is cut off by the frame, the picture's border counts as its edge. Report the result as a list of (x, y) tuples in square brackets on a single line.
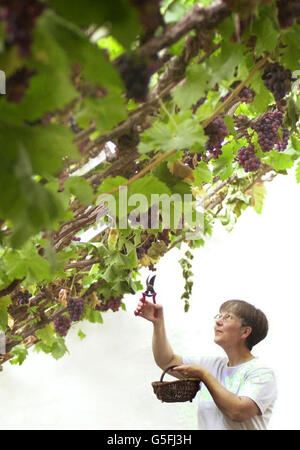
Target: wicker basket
[(176, 391)]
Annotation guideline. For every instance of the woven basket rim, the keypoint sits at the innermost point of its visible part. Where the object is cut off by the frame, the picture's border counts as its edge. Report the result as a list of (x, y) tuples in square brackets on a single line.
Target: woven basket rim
[(164, 383)]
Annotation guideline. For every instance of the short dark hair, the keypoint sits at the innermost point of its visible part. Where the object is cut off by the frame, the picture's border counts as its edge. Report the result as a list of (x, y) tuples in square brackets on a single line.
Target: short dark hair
[(250, 316)]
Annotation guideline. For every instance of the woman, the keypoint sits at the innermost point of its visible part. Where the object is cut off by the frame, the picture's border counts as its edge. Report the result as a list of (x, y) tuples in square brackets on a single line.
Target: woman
[(238, 392)]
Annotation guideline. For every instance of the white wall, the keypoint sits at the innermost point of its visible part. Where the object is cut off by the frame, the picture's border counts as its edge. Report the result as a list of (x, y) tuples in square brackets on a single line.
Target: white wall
[(105, 381)]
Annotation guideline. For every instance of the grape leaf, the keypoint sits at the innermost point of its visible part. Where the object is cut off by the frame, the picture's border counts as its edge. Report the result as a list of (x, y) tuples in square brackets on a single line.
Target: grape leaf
[(197, 79), (46, 335), (258, 196), (202, 174), (58, 348), (298, 173), (4, 303), (279, 161), (169, 136), (266, 34), (80, 187), (106, 112), (20, 352)]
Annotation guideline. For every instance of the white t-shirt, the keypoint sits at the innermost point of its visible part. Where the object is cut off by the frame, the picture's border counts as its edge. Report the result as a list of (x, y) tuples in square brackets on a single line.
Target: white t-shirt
[(251, 379)]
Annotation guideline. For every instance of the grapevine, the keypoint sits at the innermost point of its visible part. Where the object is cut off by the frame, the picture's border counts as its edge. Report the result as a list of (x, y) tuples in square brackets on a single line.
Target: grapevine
[(184, 86)]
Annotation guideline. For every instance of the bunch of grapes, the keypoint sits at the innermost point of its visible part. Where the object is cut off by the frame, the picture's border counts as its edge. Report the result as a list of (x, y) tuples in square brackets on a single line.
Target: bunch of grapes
[(288, 11), (23, 297), (248, 160), (216, 131), (62, 325), (147, 240), (135, 76), (164, 236), (277, 79), (20, 18), (282, 143), (75, 308), (112, 303), (17, 84), (267, 129)]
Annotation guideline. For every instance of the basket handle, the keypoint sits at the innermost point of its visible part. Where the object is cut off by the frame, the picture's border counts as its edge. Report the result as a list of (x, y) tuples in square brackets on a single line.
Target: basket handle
[(168, 368)]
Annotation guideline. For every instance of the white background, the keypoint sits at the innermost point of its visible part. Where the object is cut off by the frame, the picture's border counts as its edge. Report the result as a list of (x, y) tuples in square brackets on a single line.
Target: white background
[(105, 381)]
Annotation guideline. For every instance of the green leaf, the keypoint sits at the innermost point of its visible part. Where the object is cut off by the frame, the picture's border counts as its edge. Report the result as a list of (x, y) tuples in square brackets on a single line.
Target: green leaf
[(111, 183), (222, 64), (291, 47), (197, 79), (266, 34), (258, 196), (47, 335), (298, 173), (4, 303), (169, 136), (81, 188), (93, 316), (279, 161), (106, 112), (81, 334), (202, 174), (59, 349), (223, 165), (20, 352), (147, 186)]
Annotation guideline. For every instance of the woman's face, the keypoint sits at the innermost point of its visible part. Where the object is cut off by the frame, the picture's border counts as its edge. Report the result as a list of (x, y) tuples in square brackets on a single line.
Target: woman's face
[(228, 330)]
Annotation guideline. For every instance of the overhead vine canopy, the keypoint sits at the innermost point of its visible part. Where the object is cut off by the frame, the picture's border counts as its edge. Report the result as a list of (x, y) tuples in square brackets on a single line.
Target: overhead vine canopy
[(197, 101)]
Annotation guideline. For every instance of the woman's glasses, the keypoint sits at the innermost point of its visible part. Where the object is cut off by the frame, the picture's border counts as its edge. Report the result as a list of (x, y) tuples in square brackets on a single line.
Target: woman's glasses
[(226, 317)]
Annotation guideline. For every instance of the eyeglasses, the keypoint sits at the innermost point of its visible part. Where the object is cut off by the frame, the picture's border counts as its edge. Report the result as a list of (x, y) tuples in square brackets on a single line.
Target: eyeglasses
[(226, 317)]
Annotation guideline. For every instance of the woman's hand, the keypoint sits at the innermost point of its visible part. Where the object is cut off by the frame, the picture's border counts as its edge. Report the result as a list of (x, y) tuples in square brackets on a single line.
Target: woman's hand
[(187, 371), (146, 309)]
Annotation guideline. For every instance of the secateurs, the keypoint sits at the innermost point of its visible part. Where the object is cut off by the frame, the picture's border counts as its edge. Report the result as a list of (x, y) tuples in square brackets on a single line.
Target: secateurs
[(149, 292)]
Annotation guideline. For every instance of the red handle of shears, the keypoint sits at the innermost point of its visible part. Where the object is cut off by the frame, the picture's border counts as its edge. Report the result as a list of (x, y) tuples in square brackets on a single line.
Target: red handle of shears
[(143, 299)]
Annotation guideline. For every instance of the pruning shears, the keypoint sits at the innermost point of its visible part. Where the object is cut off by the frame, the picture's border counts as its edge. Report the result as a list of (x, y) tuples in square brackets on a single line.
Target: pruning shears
[(149, 292)]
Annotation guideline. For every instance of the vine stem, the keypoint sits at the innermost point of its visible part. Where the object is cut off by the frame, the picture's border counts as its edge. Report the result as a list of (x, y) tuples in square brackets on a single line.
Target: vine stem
[(236, 91)]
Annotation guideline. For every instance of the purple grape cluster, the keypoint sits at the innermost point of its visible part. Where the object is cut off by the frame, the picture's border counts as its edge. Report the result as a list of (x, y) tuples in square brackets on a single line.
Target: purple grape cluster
[(62, 325), (135, 76), (164, 236), (146, 243), (216, 131), (282, 143), (267, 129), (112, 303), (20, 18), (23, 297), (288, 11), (277, 79), (75, 308), (248, 160)]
